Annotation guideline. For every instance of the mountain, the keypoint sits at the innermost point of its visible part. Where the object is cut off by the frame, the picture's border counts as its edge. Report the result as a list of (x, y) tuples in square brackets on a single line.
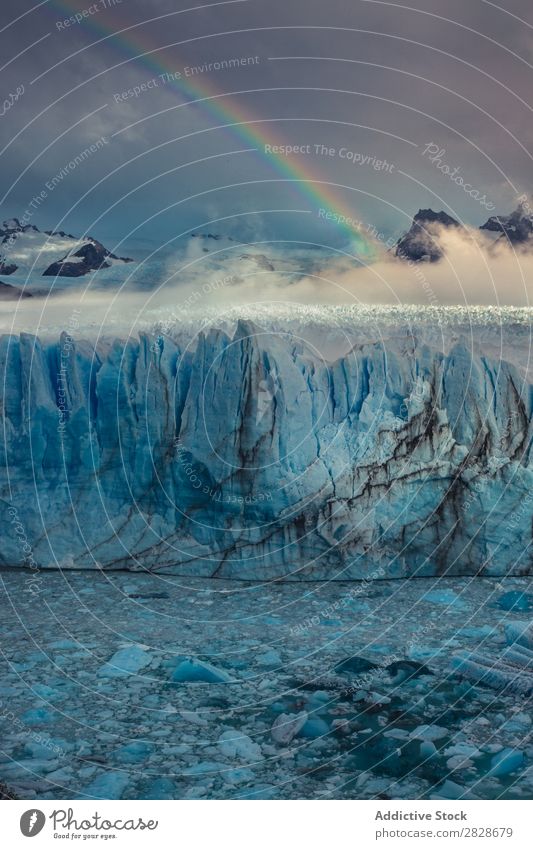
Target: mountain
[(516, 227), (419, 244), (251, 457), (24, 249), (90, 257)]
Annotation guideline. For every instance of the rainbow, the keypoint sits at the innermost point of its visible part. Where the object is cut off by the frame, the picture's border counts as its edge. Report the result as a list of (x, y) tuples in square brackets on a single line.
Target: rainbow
[(225, 108)]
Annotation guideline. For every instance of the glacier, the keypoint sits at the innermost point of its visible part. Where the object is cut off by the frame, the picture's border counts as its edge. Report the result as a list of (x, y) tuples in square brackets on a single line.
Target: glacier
[(250, 455)]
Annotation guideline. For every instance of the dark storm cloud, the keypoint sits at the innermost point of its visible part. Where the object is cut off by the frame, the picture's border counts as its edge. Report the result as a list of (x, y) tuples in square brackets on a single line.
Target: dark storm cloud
[(381, 80)]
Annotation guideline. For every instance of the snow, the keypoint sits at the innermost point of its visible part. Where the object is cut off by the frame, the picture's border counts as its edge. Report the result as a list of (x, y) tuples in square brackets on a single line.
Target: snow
[(72, 258), (32, 252)]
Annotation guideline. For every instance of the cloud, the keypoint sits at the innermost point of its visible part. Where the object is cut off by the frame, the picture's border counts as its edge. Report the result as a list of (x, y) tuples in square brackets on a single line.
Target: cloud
[(475, 270), (192, 287)]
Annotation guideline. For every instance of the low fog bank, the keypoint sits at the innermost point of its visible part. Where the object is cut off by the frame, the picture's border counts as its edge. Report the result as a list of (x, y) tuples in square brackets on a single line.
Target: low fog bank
[(478, 275)]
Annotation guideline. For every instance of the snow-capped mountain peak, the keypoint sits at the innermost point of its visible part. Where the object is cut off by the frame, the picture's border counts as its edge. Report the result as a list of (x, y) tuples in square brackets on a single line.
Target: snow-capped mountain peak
[(24, 249)]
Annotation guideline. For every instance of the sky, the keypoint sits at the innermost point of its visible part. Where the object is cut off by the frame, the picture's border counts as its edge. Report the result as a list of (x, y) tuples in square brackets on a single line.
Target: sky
[(367, 91)]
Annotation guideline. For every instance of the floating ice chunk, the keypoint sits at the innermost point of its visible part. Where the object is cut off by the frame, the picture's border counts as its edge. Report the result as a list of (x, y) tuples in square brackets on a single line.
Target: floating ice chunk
[(506, 761), (341, 726), (515, 600), (197, 670), (269, 658), (420, 653), (494, 674), (240, 775), (406, 670), (235, 744), (360, 696), (62, 776), (64, 645), (397, 734), (126, 661), (429, 732), (108, 785), (476, 633), (521, 633), (133, 753), (428, 749), (48, 749), (313, 728), (355, 665), (162, 788), (47, 693), (318, 702), (452, 790), (463, 749), (287, 726), (208, 768), (374, 786), (193, 717), (445, 597), (458, 762), (261, 791), (39, 716), (378, 698), (519, 656), (266, 684)]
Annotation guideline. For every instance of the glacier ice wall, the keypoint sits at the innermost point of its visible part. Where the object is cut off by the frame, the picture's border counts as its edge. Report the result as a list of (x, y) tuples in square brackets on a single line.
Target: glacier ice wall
[(250, 456)]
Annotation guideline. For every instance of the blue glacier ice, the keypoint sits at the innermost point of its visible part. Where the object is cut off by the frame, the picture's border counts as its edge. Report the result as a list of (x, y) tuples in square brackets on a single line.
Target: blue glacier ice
[(108, 785), (246, 455), (515, 600), (315, 727), (126, 661), (520, 633), (506, 761), (195, 670), (133, 753)]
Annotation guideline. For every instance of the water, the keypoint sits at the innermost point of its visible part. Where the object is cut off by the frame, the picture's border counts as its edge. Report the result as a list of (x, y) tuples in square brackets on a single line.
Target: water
[(80, 720)]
